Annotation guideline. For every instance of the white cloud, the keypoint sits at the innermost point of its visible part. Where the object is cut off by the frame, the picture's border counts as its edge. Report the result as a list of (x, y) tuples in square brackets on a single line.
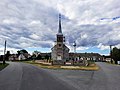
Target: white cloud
[(34, 23), (8, 21), (103, 47), (34, 36), (12, 50), (82, 48)]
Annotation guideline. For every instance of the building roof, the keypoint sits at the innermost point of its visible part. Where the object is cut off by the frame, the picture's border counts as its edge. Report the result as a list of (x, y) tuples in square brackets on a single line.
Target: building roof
[(106, 56), (85, 54), (44, 54), (64, 46)]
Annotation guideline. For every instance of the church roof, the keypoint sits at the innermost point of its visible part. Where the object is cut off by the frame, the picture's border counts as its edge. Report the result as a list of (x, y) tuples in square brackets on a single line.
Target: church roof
[(64, 46)]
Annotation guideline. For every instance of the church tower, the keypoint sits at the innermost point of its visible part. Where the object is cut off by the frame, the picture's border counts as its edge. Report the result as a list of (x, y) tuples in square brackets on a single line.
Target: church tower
[(60, 44), (59, 34), (60, 52)]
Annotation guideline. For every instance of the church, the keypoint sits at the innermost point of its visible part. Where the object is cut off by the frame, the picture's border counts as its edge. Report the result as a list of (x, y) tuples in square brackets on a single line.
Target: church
[(60, 52)]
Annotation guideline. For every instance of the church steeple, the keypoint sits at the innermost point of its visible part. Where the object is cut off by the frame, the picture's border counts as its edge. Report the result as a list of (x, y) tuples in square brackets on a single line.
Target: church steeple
[(59, 34), (60, 28)]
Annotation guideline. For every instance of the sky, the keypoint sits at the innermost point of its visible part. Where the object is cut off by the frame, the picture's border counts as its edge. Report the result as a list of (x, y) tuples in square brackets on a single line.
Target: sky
[(33, 24)]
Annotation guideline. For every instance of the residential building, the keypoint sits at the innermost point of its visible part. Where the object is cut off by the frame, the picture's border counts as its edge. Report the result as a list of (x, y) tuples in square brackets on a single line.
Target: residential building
[(85, 56)]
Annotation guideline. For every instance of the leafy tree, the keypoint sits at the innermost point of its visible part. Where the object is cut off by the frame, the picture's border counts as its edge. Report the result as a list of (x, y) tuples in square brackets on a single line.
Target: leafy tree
[(115, 54), (7, 55), (39, 57), (1, 57), (18, 52), (33, 57), (24, 51), (21, 51), (46, 57), (37, 52)]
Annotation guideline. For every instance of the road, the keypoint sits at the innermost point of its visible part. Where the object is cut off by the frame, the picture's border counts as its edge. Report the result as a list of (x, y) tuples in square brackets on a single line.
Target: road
[(107, 78), (20, 76)]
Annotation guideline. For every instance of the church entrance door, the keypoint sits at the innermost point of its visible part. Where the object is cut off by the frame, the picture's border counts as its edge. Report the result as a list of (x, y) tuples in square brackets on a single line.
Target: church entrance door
[(59, 58)]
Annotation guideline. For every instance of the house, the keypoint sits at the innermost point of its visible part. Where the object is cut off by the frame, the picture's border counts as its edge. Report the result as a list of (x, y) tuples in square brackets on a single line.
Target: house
[(45, 55), (36, 53), (85, 56), (24, 56), (107, 58), (13, 57)]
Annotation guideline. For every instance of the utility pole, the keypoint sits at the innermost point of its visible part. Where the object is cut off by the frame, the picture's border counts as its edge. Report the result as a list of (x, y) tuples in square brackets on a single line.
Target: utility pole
[(4, 53), (111, 53)]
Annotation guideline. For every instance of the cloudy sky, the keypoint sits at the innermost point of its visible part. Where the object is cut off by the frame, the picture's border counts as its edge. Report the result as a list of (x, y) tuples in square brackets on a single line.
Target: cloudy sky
[(33, 24)]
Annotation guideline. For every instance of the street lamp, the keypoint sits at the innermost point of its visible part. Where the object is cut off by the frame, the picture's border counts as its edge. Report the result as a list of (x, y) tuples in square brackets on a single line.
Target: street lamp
[(74, 45)]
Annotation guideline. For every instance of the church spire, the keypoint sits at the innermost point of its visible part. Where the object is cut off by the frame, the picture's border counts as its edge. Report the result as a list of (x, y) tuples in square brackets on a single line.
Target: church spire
[(60, 29)]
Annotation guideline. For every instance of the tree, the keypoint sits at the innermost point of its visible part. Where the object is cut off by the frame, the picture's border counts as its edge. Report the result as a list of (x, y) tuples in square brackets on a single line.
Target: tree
[(115, 54), (21, 51), (18, 52), (39, 57), (7, 55), (34, 57), (47, 57), (24, 51)]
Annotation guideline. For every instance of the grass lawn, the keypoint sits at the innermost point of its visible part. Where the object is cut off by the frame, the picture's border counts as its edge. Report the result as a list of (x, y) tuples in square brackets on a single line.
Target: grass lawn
[(3, 66), (92, 66)]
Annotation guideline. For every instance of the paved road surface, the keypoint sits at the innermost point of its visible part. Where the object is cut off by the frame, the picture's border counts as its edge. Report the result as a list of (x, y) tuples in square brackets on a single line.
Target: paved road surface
[(20, 76), (107, 78)]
